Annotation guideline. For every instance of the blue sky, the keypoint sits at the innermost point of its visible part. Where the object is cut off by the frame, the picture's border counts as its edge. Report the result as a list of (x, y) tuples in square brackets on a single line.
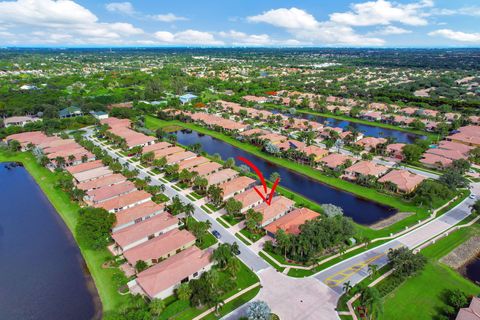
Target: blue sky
[(339, 23)]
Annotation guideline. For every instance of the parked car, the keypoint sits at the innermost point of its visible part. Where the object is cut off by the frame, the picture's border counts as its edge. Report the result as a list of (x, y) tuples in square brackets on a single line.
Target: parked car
[(472, 196), (216, 234)]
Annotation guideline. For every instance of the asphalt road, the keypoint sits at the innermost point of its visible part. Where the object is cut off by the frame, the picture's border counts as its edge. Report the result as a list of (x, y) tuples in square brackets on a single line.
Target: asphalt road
[(249, 257), (356, 269)]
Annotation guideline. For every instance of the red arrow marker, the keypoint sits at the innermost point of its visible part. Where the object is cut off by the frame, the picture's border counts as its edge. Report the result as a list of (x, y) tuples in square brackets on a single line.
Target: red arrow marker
[(262, 179)]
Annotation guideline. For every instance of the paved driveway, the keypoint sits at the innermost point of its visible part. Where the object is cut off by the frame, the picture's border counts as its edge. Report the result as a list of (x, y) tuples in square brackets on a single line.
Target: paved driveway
[(294, 298)]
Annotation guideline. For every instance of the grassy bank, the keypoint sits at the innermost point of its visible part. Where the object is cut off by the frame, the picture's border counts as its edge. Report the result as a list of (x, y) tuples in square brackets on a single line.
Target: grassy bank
[(421, 297), (104, 278), (370, 194)]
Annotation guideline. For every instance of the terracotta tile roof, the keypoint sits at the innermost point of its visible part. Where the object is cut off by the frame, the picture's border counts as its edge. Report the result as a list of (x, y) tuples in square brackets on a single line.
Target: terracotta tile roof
[(170, 272), (405, 181), (115, 122), (207, 168), (143, 229), (449, 154), (254, 131), (249, 197), (108, 192), (179, 156), (191, 163), (291, 222), (55, 142), (433, 159), (278, 206), (156, 146), (100, 182), (370, 142), (334, 160), (139, 211), (367, 168), (317, 151), (124, 200), (167, 151), (92, 174), (470, 313), (85, 166), (236, 185), (160, 246), (221, 176), (35, 137)]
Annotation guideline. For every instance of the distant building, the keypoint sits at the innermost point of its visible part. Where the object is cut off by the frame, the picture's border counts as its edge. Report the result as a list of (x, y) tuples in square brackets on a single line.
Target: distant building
[(19, 121), (70, 112), (99, 115), (186, 98)]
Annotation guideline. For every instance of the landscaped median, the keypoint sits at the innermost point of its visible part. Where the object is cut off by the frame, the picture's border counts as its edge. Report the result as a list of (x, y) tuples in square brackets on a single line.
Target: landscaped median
[(106, 280)]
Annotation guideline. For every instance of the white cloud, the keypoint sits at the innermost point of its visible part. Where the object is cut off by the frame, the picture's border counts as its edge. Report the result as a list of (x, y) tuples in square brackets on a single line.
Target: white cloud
[(457, 35), (383, 12), (467, 11), (390, 30), (292, 18), (187, 37), (305, 28), (238, 38), (169, 17), (122, 7), (77, 24)]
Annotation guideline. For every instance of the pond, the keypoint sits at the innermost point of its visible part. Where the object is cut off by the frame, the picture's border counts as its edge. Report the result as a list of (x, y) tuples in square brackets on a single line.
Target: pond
[(360, 210), (472, 270), (42, 273), (372, 131)]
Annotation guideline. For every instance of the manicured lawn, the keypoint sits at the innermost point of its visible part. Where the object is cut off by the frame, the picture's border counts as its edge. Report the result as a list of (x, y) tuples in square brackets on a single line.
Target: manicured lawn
[(421, 297), (231, 220), (196, 195), (206, 209), (254, 237), (68, 210), (270, 261), (371, 194), (210, 240), (212, 207), (219, 220)]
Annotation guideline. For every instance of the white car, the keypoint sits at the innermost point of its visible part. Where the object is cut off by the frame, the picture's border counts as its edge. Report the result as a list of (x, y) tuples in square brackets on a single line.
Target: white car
[(472, 196)]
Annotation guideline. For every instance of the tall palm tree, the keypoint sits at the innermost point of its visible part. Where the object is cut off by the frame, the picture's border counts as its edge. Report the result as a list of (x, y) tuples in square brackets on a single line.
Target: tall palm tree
[(189, 209), (372, 269)]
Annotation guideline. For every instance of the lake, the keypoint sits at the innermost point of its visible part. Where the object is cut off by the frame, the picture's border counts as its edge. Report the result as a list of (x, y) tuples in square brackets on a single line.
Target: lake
[(472, 270), (42, 273), (372, 131), (360, 210)]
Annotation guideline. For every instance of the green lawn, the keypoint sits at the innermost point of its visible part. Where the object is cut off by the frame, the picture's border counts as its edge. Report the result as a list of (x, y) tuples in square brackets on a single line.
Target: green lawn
[(371, 194), (179, 310), (253, 237), (421, 297), (68, 210)]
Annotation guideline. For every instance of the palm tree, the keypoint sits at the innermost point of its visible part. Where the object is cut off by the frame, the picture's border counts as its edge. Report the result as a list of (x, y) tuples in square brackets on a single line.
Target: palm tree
[(372, 269), (347, 286), (189, 209), (233, 267)]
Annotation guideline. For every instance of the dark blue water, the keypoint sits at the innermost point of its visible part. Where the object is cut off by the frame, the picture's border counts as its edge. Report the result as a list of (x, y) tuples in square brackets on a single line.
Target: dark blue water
[(472, 270), (360, 210), (372, 131), (42, 273)]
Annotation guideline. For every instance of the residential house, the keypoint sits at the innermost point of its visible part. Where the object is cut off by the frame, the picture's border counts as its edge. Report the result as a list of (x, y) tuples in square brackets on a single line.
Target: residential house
[(19, 121), (364, 168), (236, 186), (137, 214), (161, 280), (70, 112), (160, 247), (291, 222), (136, 234), (279, 206), (404, 180), (125, 201)]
